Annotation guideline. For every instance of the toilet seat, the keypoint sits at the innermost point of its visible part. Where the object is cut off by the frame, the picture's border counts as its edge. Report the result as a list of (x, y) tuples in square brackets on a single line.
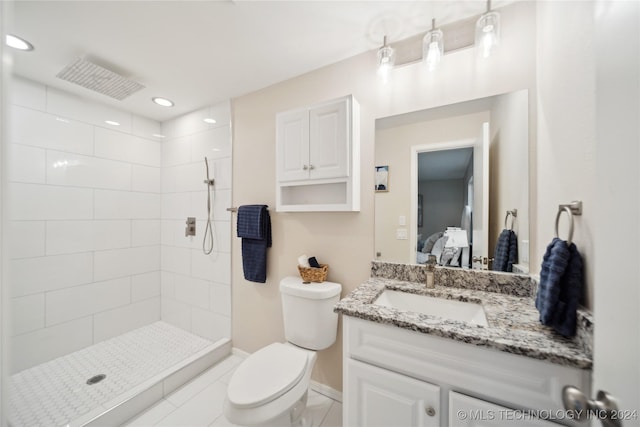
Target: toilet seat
[(266, 375)]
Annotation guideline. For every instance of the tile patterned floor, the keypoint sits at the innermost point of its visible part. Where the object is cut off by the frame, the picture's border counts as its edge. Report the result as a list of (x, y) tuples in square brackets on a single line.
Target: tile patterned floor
[(199, 403), (56, 392)]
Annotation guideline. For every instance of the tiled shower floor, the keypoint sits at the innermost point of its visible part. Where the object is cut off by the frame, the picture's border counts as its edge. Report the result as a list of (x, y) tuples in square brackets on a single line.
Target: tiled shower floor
[(56, 392)]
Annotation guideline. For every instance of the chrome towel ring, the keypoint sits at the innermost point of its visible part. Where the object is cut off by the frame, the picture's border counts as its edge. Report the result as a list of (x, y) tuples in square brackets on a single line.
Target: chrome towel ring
[(514, 214), (573, 208)]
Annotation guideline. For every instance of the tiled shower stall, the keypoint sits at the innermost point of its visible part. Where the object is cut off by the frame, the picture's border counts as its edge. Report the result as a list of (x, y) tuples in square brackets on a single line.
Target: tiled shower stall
[(97, 227)]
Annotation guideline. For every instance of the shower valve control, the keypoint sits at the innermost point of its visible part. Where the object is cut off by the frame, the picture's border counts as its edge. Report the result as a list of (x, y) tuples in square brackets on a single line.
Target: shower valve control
[(190, 229)]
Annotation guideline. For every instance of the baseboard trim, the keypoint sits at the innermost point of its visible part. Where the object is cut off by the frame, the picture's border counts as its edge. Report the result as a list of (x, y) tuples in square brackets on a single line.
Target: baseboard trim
[(325, 390)]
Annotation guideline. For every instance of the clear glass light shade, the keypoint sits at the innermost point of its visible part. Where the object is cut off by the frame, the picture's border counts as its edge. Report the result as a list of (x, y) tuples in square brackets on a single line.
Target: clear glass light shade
[(386, 59), (432, 49), (487, 33)]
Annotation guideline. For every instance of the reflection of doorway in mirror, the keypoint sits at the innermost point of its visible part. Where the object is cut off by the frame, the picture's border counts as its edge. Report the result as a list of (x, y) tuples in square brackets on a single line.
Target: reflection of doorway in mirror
[(382, 178)]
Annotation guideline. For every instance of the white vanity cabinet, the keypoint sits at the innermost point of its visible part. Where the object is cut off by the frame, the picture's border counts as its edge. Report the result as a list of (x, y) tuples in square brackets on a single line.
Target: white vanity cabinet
[(386, 398), (318, 157), (402, 373)]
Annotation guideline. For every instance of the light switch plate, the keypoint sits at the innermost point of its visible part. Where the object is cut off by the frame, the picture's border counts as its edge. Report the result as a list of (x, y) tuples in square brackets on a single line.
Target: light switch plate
[(401, 234), (402, 220)]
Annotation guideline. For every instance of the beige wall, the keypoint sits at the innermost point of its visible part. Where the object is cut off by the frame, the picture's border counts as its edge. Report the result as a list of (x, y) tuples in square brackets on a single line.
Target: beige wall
[(566, 113), (346, 240), (509, 170)]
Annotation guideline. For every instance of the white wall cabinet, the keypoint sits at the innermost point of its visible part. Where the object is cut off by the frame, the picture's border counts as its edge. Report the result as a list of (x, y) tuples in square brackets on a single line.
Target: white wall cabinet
[(318, 157), (393, 370)]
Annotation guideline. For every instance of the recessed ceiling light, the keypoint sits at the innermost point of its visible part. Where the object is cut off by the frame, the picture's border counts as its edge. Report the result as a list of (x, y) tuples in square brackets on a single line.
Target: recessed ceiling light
[(112, 123), (209, 120), (18, 43), (163, 101), (157, 135)]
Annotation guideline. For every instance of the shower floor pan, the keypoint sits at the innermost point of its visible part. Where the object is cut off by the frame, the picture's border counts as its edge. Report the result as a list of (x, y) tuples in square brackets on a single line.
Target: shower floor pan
[(139, 368)]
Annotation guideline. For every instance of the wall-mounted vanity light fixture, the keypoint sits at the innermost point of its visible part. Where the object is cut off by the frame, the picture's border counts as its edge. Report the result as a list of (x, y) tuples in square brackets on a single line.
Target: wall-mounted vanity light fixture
[(386, 59), (487, 32), (433, 46)]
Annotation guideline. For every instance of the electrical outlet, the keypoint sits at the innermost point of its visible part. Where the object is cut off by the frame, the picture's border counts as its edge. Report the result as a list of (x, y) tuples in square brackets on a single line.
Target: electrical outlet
[(401, 234)]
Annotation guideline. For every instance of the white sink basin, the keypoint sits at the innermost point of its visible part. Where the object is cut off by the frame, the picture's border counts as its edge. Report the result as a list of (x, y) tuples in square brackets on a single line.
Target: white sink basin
[(448, 309)]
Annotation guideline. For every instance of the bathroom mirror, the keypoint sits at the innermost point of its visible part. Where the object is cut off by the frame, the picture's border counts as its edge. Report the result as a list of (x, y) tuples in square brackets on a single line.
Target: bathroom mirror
[(454, 168)]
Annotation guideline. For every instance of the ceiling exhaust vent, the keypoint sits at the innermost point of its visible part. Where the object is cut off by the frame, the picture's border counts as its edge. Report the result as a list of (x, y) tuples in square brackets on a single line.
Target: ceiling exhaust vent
[(99, 79)]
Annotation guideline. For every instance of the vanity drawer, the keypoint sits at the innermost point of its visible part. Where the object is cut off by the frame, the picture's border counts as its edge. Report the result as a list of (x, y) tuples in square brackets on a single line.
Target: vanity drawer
[(503, 378)]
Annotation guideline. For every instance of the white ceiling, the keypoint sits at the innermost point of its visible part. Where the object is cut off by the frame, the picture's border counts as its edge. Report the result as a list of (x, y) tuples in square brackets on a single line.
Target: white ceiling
[(198, 53)]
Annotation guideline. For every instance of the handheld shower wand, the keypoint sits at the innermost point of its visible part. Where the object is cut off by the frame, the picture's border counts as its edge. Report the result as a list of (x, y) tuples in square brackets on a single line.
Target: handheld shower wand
[(208, 231)]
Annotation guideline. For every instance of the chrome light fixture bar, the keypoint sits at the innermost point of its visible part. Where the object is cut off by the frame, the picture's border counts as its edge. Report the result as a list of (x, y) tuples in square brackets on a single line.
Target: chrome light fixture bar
[(487, 32)]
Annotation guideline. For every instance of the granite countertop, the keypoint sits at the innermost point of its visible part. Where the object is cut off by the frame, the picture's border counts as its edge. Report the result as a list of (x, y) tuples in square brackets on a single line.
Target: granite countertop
[(513, 321)]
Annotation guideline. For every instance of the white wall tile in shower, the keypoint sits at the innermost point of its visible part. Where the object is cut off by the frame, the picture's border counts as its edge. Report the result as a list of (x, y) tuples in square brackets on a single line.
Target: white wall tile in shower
[(214, 144), (111, 323), (210, 325), (79, 301), (27, 239), (97, 209), (188, 274), (146, 179), (46, 344), (211, 267), (111, 234), (33, 275), (221, 299), (126, 205), (115, 145), (176, 260), (28, 164), (176, 151), (145, 205), (146, 128), (176, 313), (223, 170), (145, 232), (67, 105), (176, 206), (126, 262), (145, 286), (35, 128), (193, 291), (27, 93), (66, 237), (85, 171), (39, 202), (27, 313)]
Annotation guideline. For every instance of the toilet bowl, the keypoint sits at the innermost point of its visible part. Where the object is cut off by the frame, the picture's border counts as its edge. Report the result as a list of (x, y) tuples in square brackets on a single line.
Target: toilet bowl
[(269, 388)]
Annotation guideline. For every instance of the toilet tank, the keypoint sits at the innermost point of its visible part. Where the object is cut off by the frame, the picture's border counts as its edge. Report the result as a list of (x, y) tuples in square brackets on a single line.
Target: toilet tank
[(307, 310)]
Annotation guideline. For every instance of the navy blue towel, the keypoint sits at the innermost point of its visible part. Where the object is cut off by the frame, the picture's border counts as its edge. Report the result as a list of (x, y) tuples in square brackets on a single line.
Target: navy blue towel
[(506, 253), (560, 288), (254, 227)]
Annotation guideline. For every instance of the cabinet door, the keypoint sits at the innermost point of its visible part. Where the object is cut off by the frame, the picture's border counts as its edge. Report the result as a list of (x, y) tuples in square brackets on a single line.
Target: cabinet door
[(466, 411), (292, 141), (377, 397), (329, 140)]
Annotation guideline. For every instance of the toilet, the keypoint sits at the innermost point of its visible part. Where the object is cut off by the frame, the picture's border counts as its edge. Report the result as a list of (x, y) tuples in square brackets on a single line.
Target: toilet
[(269, 388)]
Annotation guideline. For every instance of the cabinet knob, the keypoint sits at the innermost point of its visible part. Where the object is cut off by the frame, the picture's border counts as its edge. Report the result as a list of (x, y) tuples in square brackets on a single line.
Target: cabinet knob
[(305, 167), (311, 167), (430, 411)]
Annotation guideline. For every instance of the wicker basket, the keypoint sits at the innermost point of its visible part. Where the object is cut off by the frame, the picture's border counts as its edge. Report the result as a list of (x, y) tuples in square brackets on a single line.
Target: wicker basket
[(311, 274)]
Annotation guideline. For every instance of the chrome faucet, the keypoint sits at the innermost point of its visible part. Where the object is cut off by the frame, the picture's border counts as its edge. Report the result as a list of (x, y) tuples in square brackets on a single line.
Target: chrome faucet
[(431, 269)]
